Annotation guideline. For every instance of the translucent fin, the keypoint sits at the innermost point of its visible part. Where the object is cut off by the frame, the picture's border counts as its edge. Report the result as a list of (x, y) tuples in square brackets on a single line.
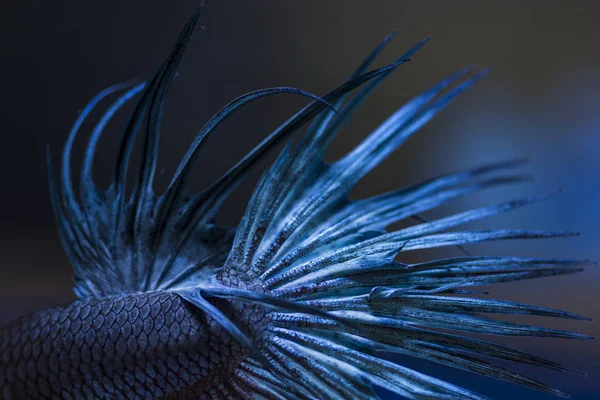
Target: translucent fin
[(142, 241), (323, 266), (303, 241)]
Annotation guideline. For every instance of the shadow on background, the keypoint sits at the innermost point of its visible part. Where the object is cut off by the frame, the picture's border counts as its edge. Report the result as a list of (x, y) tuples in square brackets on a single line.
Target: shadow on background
[(539, 102)]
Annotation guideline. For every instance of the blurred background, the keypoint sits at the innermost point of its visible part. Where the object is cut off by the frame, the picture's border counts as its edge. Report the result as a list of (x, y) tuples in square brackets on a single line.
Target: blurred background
[(540, 101)]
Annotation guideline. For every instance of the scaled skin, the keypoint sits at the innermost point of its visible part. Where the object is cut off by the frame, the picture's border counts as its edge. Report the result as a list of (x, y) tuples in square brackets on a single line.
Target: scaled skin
[(139, 346)]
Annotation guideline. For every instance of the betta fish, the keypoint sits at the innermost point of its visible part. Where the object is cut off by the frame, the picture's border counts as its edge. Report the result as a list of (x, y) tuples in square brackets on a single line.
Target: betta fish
[(306, 298)]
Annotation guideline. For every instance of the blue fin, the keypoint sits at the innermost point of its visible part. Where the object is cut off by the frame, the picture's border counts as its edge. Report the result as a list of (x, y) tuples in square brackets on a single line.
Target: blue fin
[(321, 264), (119, 244)]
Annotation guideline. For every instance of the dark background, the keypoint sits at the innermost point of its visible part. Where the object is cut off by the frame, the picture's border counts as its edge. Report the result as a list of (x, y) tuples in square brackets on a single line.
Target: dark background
[(540, 101)]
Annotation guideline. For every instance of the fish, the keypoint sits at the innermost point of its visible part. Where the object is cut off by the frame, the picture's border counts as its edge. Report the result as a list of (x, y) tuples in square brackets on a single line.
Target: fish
[(306, 298)]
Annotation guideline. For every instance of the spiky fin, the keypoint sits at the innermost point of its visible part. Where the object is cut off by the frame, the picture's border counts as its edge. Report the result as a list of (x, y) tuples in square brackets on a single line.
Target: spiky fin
[(119, 244), (324, 264)]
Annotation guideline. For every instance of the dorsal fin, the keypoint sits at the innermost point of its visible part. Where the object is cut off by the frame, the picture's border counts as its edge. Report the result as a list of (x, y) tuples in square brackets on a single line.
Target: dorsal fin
[(144, 242)]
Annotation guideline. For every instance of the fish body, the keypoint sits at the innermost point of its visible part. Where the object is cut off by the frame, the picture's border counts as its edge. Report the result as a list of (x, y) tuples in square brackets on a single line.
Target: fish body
[(147, 344), (137, 346), (303, 299)]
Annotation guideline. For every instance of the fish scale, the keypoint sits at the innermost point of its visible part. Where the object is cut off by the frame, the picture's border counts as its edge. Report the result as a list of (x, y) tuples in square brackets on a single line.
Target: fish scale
[(137, 346)]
